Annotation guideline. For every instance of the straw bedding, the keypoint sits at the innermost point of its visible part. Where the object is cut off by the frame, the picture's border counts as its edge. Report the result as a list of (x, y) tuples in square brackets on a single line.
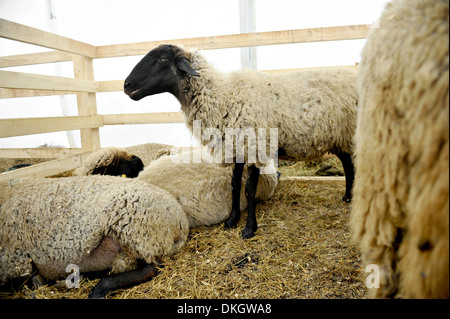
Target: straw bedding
[(302, 250)]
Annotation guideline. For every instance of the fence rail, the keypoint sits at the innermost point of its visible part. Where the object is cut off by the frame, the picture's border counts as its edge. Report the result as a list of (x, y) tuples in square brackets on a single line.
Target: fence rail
[(19, 32), (21, 80), (18, 84)]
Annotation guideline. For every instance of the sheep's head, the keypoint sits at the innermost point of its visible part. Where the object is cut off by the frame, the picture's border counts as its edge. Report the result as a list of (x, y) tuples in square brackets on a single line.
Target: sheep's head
[(161, 70), (121, 164)]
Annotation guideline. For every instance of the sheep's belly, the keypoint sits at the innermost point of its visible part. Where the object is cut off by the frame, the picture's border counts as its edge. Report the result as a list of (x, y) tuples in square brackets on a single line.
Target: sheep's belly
[(102, 257)]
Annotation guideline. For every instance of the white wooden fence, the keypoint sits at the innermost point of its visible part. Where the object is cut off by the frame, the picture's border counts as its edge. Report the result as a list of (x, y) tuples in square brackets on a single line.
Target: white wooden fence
[(88, 121)]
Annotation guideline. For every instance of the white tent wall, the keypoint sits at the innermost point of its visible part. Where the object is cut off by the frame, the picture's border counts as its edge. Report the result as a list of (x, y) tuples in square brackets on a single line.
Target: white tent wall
[(104, 22)]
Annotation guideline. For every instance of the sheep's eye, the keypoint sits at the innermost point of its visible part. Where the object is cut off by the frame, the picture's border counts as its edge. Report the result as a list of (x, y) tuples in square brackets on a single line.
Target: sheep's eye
[(163, 59)]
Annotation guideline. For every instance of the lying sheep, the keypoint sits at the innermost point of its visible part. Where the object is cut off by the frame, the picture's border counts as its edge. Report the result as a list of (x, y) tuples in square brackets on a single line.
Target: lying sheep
[(400, 213), (202, 189), (111, 161), (149, 151), (314, 111), (94, 222)]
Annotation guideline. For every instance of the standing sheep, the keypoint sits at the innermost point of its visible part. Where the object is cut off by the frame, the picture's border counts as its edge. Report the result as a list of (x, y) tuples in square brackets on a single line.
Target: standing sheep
[(400, 212), (94, 222), (202, 189), (314, 111)]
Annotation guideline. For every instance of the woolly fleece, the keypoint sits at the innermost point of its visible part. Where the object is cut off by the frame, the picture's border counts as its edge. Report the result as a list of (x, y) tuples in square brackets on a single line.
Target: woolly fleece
[(400, 212), (55, 222), (202, 189), (315, 111)]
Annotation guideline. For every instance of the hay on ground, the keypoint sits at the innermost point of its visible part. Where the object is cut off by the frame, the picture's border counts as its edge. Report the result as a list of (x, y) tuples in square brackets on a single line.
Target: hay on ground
[(302, 249)]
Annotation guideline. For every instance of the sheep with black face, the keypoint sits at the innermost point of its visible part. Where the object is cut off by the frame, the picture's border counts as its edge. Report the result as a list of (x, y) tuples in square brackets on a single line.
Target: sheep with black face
[(159, 71), (314, 111), (111, 161)]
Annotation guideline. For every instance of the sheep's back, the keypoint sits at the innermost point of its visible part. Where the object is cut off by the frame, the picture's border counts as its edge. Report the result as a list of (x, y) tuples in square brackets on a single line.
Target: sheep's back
[(314, 111), (320, 114), (202, 189)]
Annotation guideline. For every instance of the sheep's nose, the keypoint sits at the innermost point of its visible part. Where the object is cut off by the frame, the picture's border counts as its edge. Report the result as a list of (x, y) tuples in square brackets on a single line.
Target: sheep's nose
[(127, 84)]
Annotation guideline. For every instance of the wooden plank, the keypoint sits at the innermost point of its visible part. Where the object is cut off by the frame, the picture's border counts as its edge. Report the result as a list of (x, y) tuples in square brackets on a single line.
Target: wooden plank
[(201, 43), (241, 40), (38, 125), (143, 118), (16, 93), (46, 169), (39, 152), (354, 67), (87, 102), (23, 33), (110, 86), (35, 58), (19, 80), (330, 179)]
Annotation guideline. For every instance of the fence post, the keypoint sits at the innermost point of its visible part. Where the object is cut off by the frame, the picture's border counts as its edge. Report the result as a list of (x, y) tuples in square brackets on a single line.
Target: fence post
[(247, 25), (87, 102)]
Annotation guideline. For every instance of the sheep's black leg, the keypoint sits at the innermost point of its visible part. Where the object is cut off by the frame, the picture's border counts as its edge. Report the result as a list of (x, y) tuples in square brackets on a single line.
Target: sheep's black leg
[(127, 279), (349, 171), (236, 183), (250, 192)]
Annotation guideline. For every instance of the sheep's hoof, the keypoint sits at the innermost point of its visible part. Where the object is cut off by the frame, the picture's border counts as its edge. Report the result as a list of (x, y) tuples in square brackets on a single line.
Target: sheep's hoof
[(347, 199), (228, 225), (37, 281), (248, 233), (231, 222), (96, 295), (101, 289)]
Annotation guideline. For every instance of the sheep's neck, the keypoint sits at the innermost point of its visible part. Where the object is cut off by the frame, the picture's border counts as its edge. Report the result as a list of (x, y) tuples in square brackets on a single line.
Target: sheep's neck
[(198, 96)]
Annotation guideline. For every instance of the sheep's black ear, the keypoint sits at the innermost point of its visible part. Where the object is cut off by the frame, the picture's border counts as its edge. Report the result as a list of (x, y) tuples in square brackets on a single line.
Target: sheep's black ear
[(184, 65)]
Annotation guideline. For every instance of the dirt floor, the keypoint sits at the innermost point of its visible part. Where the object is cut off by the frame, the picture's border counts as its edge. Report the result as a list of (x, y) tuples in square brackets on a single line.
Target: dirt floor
[(301, 250)]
